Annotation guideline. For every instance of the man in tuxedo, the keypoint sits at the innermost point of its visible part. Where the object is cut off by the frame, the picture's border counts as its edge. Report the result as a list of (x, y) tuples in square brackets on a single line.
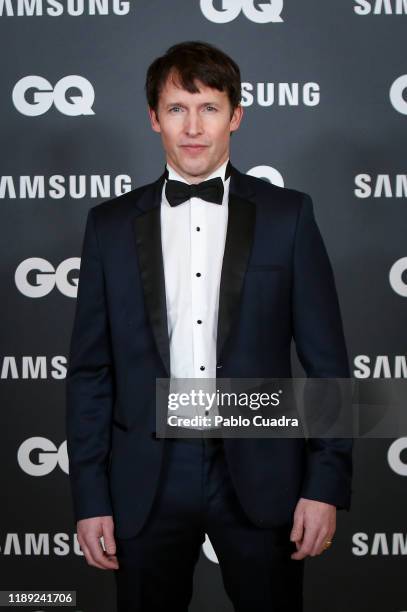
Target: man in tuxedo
[(205, 272)]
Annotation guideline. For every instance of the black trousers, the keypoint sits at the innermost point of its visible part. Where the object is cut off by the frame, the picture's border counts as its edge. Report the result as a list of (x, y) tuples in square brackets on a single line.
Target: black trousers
[(196, 496)]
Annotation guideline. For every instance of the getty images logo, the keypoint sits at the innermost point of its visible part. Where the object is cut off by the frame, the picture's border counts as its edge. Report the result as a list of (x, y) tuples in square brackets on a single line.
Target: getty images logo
[(44, 95), (36, 277), (230, 9)]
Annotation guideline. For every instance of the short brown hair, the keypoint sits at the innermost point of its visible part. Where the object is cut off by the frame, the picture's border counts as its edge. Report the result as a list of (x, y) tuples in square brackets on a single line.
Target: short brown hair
[(190, 61)]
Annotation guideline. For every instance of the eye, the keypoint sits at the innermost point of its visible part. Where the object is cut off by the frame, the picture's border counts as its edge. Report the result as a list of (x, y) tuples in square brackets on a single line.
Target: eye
[(173, 108), (211, 107)]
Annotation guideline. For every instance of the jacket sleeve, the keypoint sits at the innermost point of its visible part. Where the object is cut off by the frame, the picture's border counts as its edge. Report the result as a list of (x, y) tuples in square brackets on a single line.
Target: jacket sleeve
[(321, 348), (89, 387)]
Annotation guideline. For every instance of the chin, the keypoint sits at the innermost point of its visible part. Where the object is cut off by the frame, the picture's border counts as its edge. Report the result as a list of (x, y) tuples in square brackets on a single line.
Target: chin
[(195, 166)]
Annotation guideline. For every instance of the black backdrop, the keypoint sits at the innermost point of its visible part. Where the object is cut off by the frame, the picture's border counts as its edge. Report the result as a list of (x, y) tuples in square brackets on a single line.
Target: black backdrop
[(325, 96)]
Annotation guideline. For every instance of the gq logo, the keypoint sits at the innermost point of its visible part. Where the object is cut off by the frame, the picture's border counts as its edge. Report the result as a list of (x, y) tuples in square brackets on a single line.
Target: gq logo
[(266, 172), (230, 9), (45, 277), (394, 456), (396, 94), (46, 460), (398, 269), (43, 96)]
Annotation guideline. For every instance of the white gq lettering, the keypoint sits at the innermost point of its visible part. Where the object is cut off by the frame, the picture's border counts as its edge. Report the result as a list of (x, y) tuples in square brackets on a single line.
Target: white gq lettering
[(45, 95), (47, 460), (396, 94), (271, 174), (266, 13), (47, 277), (393, 456), (396, 277)]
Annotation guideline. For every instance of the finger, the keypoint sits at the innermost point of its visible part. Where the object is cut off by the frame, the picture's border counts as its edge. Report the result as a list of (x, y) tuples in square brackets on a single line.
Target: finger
[(98, 554), (114, 562), (326, 533), (306, 545), (319, 545), (108, 538), (109, 544), (297, 531), (89, 558), (84, 548)]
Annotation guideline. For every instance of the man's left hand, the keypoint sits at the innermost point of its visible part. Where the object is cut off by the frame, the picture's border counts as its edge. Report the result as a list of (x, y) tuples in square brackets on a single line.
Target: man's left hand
[(314, 524)]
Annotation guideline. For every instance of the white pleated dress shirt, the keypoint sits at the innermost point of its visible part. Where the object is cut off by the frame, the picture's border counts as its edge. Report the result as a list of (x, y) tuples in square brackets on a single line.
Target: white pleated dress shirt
[(193, 236)]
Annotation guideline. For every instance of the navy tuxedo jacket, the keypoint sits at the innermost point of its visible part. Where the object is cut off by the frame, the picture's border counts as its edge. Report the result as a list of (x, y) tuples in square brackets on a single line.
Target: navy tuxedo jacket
[(277, 285)]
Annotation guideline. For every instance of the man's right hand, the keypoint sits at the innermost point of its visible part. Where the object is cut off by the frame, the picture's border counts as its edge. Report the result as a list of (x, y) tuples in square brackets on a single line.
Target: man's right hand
[(89, 531)]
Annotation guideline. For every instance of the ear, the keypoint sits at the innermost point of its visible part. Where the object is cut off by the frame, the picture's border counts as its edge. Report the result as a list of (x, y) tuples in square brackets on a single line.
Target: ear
[(236, 118), (155, 124)]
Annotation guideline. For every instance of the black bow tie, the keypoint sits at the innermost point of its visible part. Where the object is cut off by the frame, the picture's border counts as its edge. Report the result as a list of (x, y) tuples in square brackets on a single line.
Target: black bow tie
[(210, 190)]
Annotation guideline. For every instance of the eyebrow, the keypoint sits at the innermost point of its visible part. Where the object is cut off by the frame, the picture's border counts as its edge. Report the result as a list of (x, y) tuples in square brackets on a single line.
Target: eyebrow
[(182, 104)]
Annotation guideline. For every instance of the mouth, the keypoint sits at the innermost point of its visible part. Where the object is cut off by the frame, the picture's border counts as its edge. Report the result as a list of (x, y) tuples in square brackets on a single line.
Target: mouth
[(194, 149)]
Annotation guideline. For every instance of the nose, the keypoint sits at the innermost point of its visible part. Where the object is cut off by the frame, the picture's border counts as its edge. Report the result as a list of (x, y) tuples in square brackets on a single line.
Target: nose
[(193, 124)]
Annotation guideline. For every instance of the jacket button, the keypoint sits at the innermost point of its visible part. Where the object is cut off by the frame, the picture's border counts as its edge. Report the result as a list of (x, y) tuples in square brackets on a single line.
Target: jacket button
[(219, 366)]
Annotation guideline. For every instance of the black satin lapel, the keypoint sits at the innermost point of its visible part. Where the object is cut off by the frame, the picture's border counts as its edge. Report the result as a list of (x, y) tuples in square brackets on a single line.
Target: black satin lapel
[(147, 228), (239, 240)]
